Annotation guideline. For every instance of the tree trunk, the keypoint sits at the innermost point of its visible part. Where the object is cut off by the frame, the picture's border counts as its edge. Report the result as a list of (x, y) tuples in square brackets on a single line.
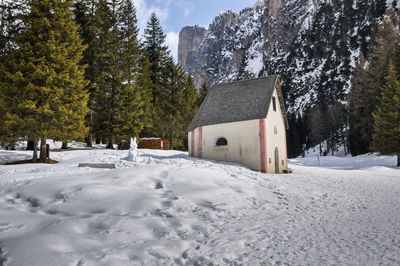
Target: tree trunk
[(320, 148), (171, 136), (12, 145), (30, 145), (42, 156), (98, 141), (35, 151), (64, 145), (344, 142), (332, 148), (89, 141), (110, 144), (89, 137), (398, 158)]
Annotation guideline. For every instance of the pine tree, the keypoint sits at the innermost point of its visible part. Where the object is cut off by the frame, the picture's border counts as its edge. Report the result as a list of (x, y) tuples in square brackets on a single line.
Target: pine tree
[(107, 78), (136, 72), (10, 26), (336, 117), (333, 39), (294, 141), (188, 106), (145, 84), (85, 17), (396, 57), (3, 53), (155, 48), (367, 82), (3, 29), (120, 101), (159, 56), (45, 95), (136, 101), (12, 23), (178, 106), (356, 144), (174, 98), (378, 8), (386, 136), (128, 37), (202, 94), (318, 126)]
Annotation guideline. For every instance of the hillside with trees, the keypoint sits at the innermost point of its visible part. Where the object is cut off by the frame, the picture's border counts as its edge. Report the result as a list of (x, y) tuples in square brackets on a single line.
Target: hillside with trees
[(373, 99), (319, 49)]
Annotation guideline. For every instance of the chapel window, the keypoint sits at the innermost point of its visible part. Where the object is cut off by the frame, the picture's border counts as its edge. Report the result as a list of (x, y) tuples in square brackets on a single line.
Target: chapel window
[(222, 142)]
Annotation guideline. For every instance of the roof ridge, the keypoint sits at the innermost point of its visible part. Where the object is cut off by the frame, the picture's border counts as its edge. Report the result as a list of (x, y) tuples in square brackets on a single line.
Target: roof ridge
[(244, 80), (242, 100)]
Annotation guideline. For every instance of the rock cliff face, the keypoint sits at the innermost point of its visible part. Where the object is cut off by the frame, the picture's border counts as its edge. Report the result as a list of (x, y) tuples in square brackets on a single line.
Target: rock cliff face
[(314, 45), (237, 45), (226, 49), (190, 39), (310, 43)]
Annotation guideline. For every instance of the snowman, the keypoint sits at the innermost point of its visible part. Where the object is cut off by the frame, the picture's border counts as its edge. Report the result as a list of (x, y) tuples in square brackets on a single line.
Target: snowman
[(133, 153)]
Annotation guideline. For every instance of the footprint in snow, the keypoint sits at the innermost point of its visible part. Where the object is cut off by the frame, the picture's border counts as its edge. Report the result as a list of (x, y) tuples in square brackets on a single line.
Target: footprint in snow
[(159, 185), (167, 204), (3, 255)]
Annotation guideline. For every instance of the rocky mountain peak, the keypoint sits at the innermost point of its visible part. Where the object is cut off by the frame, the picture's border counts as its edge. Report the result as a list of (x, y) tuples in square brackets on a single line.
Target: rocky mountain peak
[(305, 41), (313, 45), (273, 7), (190, 39), (224, 20)]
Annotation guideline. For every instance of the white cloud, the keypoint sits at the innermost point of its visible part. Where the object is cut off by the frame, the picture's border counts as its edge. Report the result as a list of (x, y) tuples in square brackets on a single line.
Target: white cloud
[(144, 11), (172, 41), (186, 6), (161, 8)]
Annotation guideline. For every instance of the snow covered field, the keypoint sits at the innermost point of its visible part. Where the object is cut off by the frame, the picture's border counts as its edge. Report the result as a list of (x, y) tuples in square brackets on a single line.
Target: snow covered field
[(172, 209)]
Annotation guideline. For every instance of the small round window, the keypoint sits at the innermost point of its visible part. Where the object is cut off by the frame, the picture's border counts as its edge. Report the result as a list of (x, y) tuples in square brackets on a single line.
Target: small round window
[(222, 142)]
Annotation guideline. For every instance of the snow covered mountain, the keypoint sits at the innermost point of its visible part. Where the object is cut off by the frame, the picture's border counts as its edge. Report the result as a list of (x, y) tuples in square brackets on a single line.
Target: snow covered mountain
[(314, 45)]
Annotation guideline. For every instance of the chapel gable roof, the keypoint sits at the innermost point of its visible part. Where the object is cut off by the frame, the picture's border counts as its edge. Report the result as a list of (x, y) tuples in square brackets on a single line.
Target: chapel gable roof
[(238, 101)]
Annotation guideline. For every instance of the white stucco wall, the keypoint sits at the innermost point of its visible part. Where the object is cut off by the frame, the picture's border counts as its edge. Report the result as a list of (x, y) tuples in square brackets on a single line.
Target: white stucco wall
[(275, 119), (243, 143)]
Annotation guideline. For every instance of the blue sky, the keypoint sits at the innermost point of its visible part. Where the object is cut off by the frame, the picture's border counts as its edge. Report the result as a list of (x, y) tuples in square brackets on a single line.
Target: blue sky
[(175, 14)]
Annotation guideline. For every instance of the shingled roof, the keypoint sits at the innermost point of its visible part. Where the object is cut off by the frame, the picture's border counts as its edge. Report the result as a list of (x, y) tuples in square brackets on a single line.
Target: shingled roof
[(238, 101)]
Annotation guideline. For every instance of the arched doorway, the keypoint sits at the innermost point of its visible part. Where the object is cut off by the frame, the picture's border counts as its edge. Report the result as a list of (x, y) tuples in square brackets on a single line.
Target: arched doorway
[(277, 160)]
